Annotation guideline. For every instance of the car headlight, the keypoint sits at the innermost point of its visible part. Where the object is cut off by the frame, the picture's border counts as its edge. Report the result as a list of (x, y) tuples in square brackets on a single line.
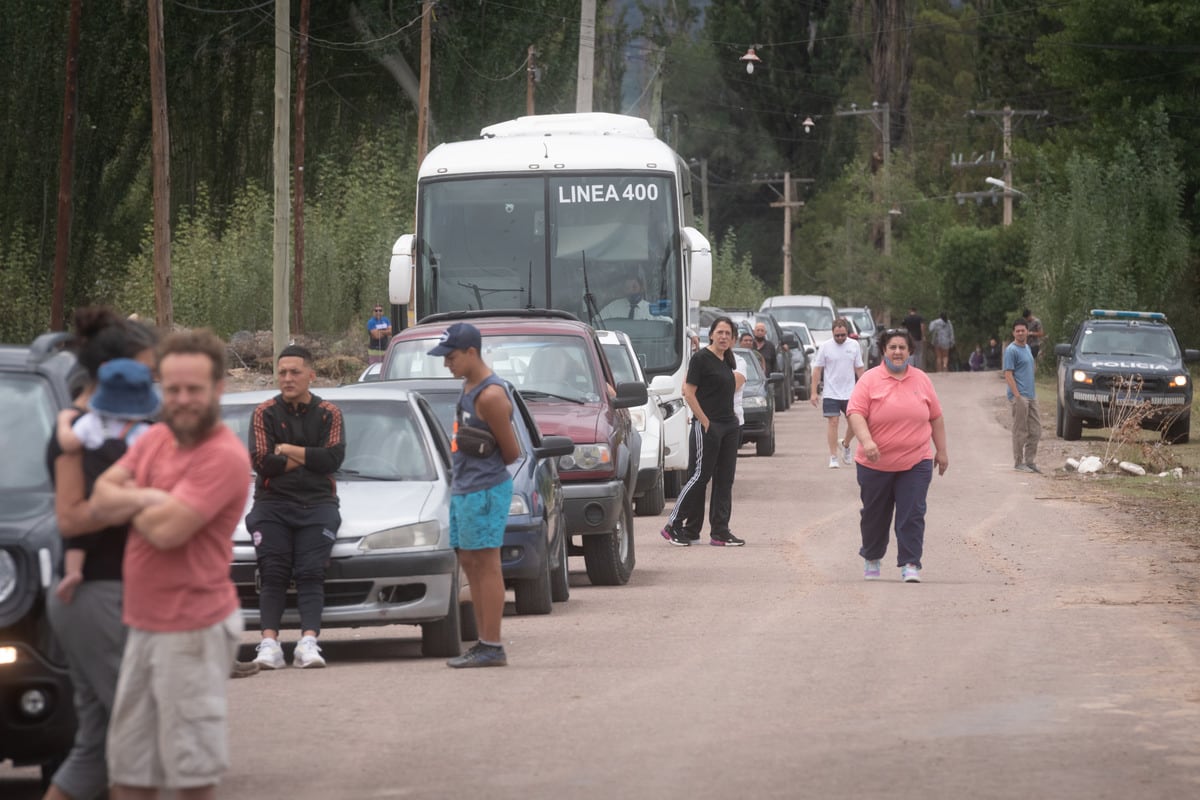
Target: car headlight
[(422, 534), (671, 407), (638, 415), (8, 575), (1178, 381), (587, 457), (518, 506), (1079, 376), (754, 402)]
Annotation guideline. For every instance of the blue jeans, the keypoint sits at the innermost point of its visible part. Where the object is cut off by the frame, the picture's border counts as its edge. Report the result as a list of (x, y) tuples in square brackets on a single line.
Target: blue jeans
[(904, 492)]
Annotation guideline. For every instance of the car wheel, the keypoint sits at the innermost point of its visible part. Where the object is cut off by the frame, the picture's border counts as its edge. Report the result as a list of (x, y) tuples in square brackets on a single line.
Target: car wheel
[(765, 446), (443, 639), (672, 483), (1072, 427), (560, 578), (609, 557), (1179, 431), (533, 594), (651, 503)]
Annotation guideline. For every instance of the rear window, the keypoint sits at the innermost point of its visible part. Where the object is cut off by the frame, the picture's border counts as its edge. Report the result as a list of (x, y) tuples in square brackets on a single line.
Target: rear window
[(817, 318)]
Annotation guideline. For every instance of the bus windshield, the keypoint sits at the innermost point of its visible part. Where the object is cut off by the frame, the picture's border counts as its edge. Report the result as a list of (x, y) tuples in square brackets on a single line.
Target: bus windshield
[(534, 241)]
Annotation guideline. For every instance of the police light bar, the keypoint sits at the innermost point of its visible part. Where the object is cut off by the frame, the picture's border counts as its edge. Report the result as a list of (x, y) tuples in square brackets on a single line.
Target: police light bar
[(1106, 313)]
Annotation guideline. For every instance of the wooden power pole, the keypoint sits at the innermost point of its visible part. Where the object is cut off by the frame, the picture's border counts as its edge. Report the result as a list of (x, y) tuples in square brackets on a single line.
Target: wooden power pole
[(530, 78), (298, 172), (66, 172), (423, 92), (787, 202), (160, 160), (279, 256)]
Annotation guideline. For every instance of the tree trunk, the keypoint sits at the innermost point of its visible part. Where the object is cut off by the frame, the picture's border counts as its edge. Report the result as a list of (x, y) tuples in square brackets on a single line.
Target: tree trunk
[(66, 172)]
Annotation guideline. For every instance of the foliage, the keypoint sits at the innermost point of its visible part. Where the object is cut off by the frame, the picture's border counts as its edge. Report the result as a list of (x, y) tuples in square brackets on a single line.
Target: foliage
[(979, 270), (1107, 233), (734, 284), (22, 309)]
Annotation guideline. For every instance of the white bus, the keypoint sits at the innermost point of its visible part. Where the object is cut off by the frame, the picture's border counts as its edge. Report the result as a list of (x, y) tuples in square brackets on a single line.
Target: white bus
[(586, 213)]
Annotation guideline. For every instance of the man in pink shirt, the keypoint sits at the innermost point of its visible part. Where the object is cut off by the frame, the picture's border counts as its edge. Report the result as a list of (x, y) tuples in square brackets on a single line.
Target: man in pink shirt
[(182, 488), (894, 412)]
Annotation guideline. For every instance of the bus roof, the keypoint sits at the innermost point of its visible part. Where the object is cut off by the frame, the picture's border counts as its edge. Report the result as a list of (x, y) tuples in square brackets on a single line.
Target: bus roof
[(554, 143)]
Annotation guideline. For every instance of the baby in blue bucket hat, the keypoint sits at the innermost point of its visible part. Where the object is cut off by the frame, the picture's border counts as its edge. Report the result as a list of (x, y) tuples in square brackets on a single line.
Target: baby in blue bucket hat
[(118, 413)]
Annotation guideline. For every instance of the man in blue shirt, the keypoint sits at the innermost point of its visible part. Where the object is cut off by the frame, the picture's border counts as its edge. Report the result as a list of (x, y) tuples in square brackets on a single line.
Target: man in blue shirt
[(379, 333), (1026, 422)]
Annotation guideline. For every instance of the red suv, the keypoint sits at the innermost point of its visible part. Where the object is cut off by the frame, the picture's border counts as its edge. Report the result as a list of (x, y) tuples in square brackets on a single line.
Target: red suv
[(556, 363)]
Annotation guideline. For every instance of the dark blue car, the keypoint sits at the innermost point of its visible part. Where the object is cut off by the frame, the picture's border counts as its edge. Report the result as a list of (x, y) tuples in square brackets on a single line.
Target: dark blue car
[(534, 553)]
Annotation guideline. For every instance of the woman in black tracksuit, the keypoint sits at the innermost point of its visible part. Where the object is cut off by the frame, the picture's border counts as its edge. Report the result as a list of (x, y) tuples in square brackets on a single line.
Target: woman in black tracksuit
[(708, 390)]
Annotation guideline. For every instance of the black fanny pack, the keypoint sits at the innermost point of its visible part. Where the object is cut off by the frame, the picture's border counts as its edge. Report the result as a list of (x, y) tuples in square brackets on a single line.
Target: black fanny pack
[(474, 442)]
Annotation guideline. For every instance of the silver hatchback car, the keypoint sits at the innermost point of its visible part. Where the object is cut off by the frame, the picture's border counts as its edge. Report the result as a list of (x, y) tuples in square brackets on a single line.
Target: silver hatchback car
[(392, 562)]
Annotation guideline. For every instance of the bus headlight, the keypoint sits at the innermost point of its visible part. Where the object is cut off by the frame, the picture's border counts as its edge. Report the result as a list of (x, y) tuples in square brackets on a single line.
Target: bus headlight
[(423, 534)]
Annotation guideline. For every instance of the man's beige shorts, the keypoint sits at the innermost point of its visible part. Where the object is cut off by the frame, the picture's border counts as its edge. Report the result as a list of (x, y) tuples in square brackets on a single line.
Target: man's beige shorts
[(168, 726)]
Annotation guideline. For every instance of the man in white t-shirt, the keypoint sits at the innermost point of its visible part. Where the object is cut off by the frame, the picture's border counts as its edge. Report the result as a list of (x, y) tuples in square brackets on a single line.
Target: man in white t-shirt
[(839, 362)]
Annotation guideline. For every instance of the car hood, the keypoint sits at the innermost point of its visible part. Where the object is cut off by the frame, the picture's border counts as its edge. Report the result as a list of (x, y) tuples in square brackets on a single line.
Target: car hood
[(580, 423), (370, 506), (1119, 363)]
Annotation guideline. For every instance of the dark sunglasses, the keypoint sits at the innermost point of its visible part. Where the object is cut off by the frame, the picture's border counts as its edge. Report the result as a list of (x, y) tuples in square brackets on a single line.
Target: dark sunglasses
[(378, 310)]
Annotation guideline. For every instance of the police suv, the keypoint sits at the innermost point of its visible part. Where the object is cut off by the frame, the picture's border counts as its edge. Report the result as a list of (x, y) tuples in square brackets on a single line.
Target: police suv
[(1119, 361)]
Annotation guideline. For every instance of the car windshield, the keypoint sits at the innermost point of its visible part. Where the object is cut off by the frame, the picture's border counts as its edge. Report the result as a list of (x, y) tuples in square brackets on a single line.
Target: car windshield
[(384, 442), (816, 318), (753, 372), (862, 319), (551, 366), (619, 361), (1129, 341), (25, 431)]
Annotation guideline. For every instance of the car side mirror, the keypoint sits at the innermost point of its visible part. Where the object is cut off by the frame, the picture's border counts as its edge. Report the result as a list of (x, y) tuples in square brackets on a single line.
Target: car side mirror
[(775, 377), (791, 340), (1065, 350), (554, 446), (1191, 355), (630, 394), (808, 348)]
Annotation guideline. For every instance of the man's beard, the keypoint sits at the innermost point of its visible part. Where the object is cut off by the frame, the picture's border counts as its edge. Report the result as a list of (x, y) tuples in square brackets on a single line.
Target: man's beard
[(187, 434), (760, 338)]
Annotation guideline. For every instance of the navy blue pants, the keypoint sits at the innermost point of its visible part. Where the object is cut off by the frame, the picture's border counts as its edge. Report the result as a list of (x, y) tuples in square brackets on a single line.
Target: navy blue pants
[(713, 458), (292, 542), (902, 492)]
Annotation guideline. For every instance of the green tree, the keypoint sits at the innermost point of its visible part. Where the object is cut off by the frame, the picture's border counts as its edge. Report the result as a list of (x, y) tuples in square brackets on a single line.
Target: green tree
[(734, 284)]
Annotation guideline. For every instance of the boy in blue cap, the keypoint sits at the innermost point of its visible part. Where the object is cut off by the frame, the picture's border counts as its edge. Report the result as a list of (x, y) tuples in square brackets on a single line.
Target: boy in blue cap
[(118, 413)]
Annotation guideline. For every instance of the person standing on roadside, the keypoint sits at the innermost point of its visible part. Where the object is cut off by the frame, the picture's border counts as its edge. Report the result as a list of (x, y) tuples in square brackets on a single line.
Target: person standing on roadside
[(181, 487), (1022, 396), (708, 390), (1034, 327), (483, 446), (379, 333), (839, 363), (914, 323), (895, 412), (993, 354), (765, 347), (941, 334), (88, 626), (297, 441)]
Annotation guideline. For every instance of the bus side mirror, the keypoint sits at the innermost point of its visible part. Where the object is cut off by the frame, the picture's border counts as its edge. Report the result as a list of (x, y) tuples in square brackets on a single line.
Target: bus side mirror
[(700, 277), (400, 271)]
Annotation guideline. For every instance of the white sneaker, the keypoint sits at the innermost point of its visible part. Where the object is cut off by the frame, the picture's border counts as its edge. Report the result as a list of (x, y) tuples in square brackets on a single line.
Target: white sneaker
[(833, 462), (847, 454), (270, 655), (308, 654), (910, 573)]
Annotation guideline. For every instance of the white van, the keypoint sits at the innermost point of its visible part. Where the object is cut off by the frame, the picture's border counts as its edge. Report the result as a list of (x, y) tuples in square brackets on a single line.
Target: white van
[(815, 310)]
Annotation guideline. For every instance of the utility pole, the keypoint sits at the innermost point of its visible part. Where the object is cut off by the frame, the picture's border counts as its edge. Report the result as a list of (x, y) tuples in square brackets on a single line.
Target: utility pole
[(283, 90), (423, 93), (66, 172), (1006, 128), (160, 160), (587, 56), (298, 170), (885, 130), (787, 204), (704, 194), (530, 79)]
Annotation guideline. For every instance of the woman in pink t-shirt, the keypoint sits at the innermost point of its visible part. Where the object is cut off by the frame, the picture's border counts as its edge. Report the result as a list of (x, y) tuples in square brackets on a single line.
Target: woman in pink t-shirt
[(894, 413)]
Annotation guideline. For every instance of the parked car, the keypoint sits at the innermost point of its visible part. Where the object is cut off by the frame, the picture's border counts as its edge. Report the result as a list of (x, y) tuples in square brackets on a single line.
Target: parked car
[(371, 373), (862, 317), (557, 364), (534, 554), (1120, 360), (816, 311), (392, 562), (784, 342), (758, 405), (37, 711), (647, 420)]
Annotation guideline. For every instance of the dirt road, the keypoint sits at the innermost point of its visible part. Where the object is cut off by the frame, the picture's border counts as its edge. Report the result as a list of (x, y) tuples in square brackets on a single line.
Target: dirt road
[(1052, 651)]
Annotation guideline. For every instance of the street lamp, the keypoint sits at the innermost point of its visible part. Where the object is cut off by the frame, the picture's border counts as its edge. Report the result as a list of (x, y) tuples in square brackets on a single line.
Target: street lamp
[(750, 59), (1001, 184)]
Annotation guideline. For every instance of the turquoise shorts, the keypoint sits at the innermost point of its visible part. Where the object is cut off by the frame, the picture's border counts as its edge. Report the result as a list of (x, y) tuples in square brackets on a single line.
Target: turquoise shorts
[(478, 519)]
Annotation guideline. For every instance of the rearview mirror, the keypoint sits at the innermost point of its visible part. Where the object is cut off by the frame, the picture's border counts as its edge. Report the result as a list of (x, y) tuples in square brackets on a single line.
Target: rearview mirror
[(554, 446), (629, 394)]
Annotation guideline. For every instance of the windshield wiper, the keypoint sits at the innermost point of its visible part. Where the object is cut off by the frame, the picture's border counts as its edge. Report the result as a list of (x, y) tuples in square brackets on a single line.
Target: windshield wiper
[(540, 393), (353, 473)]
